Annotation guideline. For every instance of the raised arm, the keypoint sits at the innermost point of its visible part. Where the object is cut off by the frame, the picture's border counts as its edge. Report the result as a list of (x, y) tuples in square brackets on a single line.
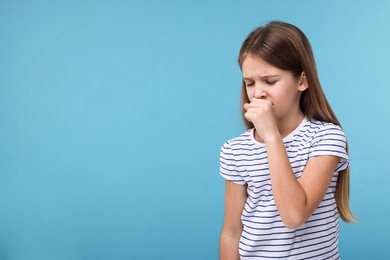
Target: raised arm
[(297, 200), (235, 197)]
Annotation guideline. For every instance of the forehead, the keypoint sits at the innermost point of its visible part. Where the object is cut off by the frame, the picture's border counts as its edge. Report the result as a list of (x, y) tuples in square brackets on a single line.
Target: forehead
[(253, 66)]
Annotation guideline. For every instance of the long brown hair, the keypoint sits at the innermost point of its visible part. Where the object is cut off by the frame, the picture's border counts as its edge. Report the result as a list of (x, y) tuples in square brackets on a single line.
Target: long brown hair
[(286, 47)]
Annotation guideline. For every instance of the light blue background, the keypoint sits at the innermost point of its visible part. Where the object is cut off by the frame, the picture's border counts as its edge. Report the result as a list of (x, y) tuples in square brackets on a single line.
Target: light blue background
[(112, 115)]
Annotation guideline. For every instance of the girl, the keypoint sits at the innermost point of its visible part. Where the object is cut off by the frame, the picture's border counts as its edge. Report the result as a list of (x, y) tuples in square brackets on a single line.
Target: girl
[(287, 176)]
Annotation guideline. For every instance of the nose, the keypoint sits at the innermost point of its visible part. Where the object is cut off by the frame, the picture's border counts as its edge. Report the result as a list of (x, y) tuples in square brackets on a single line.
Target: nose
[(260, 92)]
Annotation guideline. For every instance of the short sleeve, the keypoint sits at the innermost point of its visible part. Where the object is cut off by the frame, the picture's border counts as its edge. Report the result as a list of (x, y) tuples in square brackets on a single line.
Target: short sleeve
[(331, 140), (228, 167)]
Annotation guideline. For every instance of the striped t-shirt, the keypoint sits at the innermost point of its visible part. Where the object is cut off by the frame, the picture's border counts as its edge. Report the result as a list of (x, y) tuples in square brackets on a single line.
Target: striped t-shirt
[(243, 160)]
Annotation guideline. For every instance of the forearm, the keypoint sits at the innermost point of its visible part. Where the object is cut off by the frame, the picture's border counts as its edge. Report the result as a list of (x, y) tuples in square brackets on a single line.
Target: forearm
[(290, 198), (228, 248)]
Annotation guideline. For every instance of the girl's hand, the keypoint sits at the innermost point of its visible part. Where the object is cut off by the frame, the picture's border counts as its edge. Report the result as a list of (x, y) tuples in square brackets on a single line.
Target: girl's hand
[(260, 113)]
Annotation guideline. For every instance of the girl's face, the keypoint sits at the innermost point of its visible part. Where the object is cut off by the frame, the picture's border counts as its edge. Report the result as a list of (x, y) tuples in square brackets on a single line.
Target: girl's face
[(277, 86)]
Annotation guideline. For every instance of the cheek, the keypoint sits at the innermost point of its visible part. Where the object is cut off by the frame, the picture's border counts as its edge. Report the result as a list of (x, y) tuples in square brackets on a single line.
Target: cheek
[(249, 93)]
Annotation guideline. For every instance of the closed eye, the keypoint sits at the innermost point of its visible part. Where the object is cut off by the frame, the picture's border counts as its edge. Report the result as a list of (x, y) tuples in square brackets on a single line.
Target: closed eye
[(249, 84), (271, 82)]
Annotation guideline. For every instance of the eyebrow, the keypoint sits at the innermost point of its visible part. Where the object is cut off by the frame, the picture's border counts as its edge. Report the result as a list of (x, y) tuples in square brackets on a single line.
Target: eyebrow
[(263, 77)]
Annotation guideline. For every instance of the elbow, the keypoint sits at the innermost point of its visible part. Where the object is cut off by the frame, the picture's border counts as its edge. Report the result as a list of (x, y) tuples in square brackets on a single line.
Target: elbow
[(230, 235), (293, 222), (292, 225)]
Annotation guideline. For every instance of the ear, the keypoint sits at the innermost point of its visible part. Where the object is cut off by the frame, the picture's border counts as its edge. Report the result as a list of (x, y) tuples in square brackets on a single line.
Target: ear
[(303, 82)]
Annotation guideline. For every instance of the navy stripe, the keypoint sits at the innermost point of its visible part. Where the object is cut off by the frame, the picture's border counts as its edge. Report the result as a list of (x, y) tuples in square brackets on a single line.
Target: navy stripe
[(287, 244), (289, 255), (287, 250), (287, 238)]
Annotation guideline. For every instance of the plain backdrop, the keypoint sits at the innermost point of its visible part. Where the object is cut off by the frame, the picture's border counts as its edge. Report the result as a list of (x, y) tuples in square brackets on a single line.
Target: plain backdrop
[(113, 113)]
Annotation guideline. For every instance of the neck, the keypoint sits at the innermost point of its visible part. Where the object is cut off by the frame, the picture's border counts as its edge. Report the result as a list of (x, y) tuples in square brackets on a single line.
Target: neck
[(287, 125)]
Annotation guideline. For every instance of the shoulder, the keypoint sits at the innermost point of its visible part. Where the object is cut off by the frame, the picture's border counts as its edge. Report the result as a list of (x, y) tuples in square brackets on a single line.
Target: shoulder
[(316, 126), (243, 140), (312, 131), (328, 139), (231, 154), (321, 130)]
